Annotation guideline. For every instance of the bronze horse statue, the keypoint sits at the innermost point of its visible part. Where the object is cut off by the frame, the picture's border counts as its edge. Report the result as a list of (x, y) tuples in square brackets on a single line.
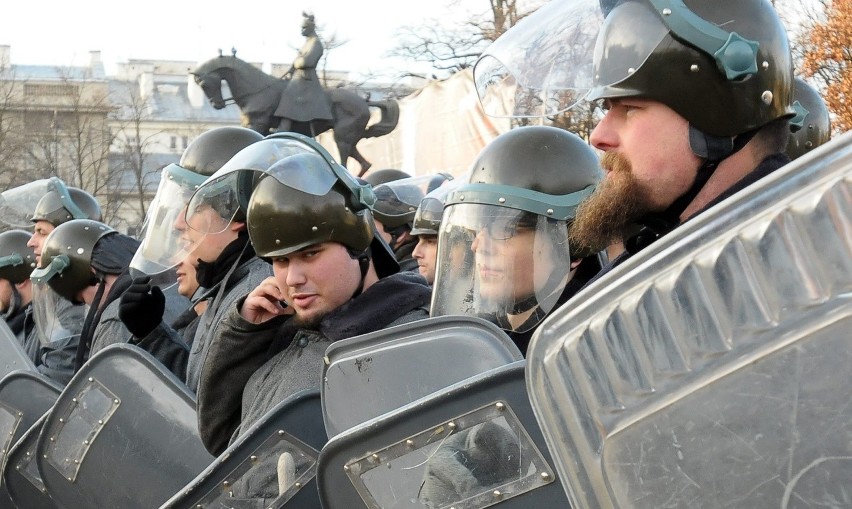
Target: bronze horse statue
[(257, 94)]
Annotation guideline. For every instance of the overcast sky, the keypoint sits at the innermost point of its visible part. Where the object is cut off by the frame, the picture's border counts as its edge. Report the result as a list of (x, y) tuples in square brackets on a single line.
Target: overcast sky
[(63, 32)]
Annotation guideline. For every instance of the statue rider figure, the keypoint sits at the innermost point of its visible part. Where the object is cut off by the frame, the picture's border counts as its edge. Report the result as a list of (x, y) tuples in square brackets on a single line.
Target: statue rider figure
[(304, 99)]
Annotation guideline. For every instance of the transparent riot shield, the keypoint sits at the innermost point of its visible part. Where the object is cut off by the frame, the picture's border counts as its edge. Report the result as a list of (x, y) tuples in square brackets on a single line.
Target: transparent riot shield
[(21, 477), (122, 417), (475, 444), (13, 357), (367, 376), (273, 464), (24, 397), (712, 369)]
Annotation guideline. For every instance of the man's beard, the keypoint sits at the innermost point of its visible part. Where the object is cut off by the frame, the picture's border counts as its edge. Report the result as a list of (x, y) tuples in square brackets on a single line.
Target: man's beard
[(610, 213), (309, 322)]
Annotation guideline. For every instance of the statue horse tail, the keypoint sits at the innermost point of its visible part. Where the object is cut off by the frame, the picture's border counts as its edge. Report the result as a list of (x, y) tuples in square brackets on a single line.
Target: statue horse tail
[(388, 119)]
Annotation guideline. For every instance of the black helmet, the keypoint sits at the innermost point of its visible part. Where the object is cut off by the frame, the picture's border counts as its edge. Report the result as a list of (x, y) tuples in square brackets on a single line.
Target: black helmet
[(212, 149), (539, 169), (305, 199), (725, 66), (811, 127), (62, 203), (16, 259), (427, 219), (282, 219), (384, 176), (397, 201), (66, 258), (503, 244)]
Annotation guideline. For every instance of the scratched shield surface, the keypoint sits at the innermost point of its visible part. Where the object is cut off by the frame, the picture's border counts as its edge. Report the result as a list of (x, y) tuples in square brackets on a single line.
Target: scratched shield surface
[(712, 369)]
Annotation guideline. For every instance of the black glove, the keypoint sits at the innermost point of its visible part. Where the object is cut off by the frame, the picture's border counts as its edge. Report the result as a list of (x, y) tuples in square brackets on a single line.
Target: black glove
[(141, 307)]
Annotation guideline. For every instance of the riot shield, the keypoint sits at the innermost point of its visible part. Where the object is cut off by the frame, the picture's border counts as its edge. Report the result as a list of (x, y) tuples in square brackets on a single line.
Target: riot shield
[(13, 357), (284, 443), (474, 445), (24, 397), (21, 477), (122, 417), (367, 376), (712, 368)]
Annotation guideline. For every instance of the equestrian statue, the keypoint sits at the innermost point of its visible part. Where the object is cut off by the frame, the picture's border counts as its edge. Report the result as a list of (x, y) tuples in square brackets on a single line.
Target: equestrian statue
[(296, 101)]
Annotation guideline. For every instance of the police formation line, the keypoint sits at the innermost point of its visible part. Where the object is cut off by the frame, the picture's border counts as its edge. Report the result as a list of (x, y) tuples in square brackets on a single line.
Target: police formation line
[(265, 314)]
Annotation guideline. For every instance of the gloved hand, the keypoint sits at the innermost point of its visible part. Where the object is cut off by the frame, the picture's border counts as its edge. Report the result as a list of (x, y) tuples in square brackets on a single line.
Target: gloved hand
[(141, 307)]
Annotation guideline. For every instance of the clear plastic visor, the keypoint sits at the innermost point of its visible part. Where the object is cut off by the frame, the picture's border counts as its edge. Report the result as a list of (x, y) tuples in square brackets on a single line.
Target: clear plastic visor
[(56, 319), (542, 65), (214, 205), (506, 265), (162, 244), (564, 53), (17, 205)]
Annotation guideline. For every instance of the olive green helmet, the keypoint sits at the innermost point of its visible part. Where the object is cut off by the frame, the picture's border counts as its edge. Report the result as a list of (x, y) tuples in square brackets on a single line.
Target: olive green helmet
[(66, 258), (540, 169), (306, 199), (62, 203), (16, 259), (282, 219), (811, 127), (397, 201), (543, 170), (725, 66)]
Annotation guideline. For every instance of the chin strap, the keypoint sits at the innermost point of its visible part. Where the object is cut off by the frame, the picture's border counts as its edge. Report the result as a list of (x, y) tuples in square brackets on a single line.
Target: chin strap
[(84, 346), (14, 303), (712, 150), (363, 258)]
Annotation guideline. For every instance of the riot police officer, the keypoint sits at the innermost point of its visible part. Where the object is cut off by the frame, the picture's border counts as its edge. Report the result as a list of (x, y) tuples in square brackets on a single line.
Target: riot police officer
[(163, 255), (52, 344), (511, 220), (16, 294), (394, 210), (697, 98), (333, 278), (86, 261)]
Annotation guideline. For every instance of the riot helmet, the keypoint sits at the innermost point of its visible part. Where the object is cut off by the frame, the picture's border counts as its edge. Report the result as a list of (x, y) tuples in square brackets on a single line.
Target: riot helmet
[(427, 218), (397, 201), (62, 203), (16, 258), (379, 177), (66, 258), (306, 198), (724, 66), (503, 248), (811, 127), (162, 247)]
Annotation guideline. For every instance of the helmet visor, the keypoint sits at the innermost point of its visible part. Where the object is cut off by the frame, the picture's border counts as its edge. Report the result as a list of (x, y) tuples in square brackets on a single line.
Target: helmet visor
[(162, 245), (226, 190), (542, 65), (506, 265), (57, 320), (17, 205), (400, 198)]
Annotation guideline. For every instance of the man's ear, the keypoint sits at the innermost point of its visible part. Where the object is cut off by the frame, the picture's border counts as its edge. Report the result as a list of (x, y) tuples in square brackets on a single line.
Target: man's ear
[(24, 284), (237, 226)]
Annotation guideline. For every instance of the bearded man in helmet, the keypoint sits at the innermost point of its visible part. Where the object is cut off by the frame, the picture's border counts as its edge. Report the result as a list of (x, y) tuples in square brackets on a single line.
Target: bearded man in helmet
[(697, 98), (334, 278)]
